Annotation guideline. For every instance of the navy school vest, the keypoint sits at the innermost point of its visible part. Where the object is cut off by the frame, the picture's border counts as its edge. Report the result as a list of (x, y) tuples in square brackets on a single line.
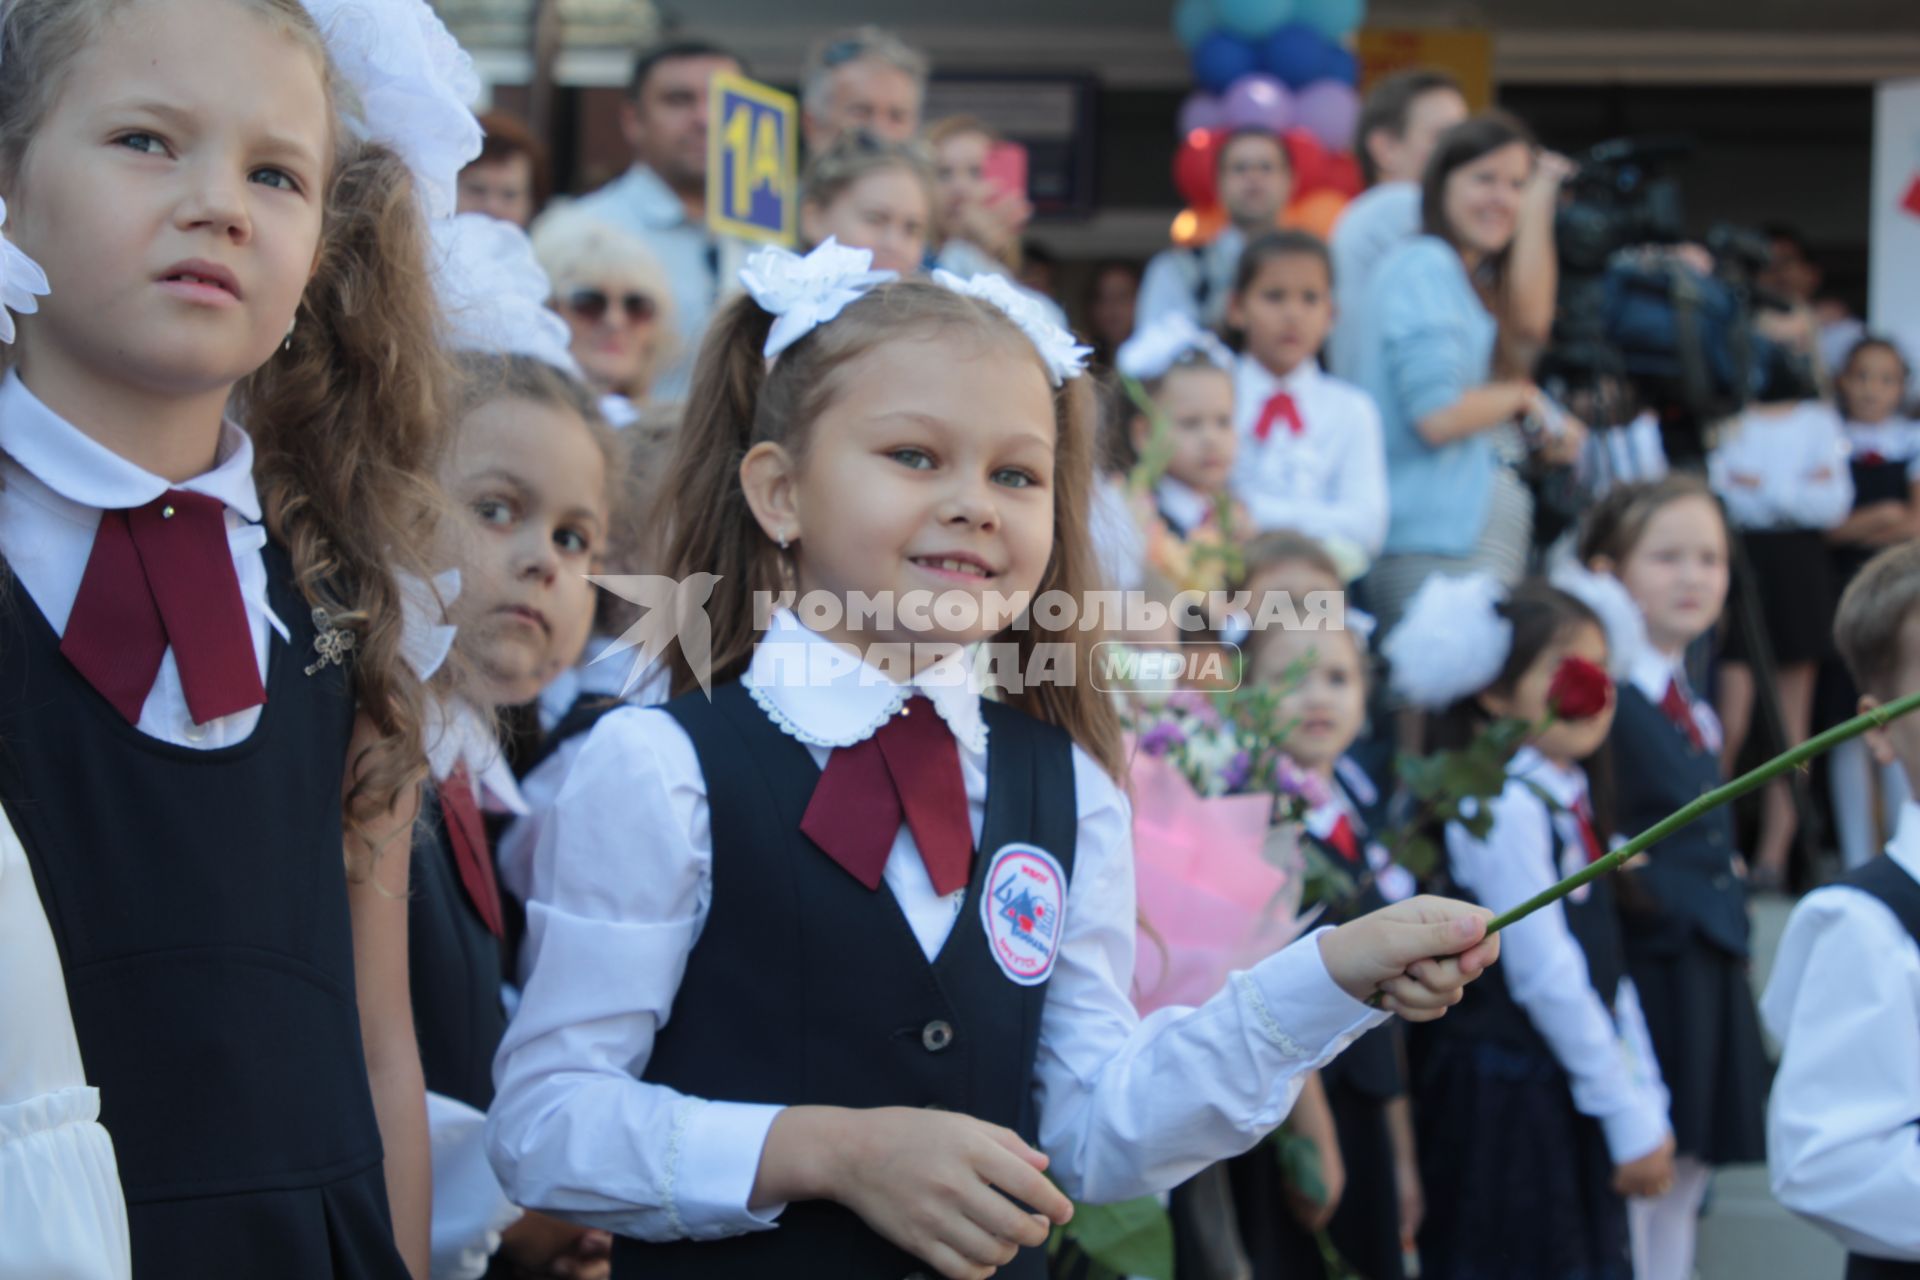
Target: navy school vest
[(807, 988), (1488, 1012), (1373, 1065), (199, 902), (453, 968), (1888, 881), (1689, 877)]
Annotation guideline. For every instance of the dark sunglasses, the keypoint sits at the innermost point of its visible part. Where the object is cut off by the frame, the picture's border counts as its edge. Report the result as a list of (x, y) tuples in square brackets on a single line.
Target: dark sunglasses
[(591, 305)]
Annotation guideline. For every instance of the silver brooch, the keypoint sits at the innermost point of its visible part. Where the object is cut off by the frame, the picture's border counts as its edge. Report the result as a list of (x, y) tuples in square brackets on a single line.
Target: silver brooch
[(332, 643)]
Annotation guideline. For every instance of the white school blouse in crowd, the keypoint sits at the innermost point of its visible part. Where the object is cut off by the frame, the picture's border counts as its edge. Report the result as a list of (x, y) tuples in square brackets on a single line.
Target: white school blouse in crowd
[(469, 1208), (1843, 1141), (57, 482), (1895, 440), (1328, 482), (1784, 471), (61, 1212), (1608, 1057), (621, 888)]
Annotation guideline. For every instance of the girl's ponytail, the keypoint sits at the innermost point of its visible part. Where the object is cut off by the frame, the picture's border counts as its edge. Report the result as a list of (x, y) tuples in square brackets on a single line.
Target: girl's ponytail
[(703, 519)]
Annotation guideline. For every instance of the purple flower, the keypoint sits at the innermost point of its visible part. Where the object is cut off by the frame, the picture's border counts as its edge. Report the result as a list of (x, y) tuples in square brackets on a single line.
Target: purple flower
[(1197, 705), (1291, 780), (1238, 770), (1162, 738)]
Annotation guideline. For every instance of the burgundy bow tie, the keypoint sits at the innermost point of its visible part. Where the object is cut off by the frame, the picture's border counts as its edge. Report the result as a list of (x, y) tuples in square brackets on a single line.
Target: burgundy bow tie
[(472, 854), (1280, 407), (1589, 838), (162, 575), (911, 767)]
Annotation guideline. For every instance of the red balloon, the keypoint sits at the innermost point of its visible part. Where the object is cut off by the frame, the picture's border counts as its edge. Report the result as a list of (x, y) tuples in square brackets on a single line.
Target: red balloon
[(1309, 160), (1196, 168), (1316, 213), (1343, 174)]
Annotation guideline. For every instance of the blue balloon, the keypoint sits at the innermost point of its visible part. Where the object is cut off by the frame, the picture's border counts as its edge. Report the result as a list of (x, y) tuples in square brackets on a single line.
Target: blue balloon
[(1192, 20), (1295, 55), (1334, 19), (1341, 65), (1253, 18), (1220, 59)]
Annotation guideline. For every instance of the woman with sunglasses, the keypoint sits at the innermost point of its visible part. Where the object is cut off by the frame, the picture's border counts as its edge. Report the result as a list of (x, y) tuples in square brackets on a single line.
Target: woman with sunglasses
[(612, 293)]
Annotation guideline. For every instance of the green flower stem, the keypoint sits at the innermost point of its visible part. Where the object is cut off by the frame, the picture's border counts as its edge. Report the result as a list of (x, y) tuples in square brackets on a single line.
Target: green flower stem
[(1707, 803)]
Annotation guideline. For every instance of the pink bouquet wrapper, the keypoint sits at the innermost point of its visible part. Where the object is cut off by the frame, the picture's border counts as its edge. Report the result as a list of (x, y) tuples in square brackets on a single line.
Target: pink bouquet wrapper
[(1210, 901)]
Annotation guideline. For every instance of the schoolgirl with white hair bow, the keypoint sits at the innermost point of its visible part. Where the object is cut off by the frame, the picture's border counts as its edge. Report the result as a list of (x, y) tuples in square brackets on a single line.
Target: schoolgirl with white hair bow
[(220, 429), (1188, 373), (832, 943), (1539, 1106)]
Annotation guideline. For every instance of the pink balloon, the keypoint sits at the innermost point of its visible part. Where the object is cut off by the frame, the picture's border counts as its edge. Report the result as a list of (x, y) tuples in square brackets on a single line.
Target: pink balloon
[(1257, 101), (1329, 111), (1201, 110)]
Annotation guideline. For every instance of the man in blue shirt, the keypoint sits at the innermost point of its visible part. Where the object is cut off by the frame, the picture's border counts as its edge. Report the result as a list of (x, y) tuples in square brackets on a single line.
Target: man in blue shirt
[(663, 198)]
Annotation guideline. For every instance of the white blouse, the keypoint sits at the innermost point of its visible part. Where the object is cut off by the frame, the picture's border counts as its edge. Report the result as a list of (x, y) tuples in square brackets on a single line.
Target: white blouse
[(621, 886), (61, 1212), (1608, 1057), (1843, 1140), (1330, 481), (1784, 470), (57, 482)]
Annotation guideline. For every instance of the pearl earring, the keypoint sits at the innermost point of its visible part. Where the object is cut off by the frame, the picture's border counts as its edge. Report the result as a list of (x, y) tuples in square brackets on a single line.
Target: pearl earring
[(783, 541), (287, 344)]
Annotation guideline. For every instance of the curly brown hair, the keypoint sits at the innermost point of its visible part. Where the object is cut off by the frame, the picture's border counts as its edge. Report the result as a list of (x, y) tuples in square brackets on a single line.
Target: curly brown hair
[(738, 402), (350, 418)]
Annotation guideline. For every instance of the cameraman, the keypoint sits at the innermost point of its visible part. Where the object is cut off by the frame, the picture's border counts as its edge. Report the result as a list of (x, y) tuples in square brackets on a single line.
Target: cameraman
[(1427, 354)]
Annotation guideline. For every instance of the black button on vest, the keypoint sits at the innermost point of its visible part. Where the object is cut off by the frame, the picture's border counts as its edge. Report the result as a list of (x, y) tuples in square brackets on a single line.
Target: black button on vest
[(807, 988), (199, 902), (1690, 873)]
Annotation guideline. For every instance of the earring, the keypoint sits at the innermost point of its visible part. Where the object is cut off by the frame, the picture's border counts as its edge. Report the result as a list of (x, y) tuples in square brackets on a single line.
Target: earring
[(783, 540), (287, 344)]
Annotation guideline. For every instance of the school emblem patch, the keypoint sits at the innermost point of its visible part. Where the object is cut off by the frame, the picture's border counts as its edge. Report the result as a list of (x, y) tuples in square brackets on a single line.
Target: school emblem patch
[(1024, 911)]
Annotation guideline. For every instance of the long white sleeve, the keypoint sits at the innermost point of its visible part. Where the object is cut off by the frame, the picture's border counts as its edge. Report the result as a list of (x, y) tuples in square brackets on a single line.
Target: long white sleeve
[(1843, 1121), (1823, 495), (469, 1209), (1546, 972)]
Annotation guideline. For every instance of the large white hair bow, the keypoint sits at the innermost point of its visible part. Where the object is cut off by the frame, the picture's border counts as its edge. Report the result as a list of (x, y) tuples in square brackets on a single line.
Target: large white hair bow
[(493, 292), (804, 293), (1063, 357), (416, 88), (1451, 642), (22, 282), (1619, 616), (1151, 351)]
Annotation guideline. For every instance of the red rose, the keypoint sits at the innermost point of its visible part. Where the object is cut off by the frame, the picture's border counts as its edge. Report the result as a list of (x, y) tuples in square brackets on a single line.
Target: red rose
[(1579, 690)]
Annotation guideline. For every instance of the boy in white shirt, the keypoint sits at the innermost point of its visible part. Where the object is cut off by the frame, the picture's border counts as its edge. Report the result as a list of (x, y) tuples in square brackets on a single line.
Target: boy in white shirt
[(1843, 1124), (1311, 456)]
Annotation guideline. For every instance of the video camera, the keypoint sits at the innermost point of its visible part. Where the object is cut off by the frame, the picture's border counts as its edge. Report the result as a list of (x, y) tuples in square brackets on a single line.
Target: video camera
[(1674, 325)]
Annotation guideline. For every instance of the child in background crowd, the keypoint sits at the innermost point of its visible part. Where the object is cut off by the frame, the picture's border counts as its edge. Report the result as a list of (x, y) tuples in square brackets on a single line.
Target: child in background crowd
[(1539, 1107), (1683, 911), (869, 194), (1781, 468), (1886, 510), (1311, 457), (1188, 374)]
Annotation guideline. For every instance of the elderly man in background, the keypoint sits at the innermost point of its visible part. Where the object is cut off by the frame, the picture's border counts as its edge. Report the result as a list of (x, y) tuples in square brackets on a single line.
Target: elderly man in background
[(866, 79)]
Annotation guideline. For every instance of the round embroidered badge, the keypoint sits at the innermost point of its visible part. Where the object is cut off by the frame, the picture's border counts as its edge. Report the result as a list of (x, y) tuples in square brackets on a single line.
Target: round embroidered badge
[(1024, 911)]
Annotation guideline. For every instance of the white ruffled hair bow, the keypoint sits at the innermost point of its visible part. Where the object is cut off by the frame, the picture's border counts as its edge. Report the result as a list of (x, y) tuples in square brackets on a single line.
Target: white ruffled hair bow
[(416, 88), (22, 282), (1619, 616), (1151, 351), (494, 294), (804, 293), (1451, 642)]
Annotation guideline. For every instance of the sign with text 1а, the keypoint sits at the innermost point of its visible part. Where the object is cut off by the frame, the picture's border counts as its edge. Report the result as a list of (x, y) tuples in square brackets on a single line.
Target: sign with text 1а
[(752, 161)]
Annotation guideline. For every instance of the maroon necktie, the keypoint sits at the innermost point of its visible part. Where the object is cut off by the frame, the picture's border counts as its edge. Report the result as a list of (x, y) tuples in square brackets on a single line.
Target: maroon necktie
[(1342, 840), (1680, 711), (162, 574), (1590, 839), (1278, 408), (910, 767), (471, 854)]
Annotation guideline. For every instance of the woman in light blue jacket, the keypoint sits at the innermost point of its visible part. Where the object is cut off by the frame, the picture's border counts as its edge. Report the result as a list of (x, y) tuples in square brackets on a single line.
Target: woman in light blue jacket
[(1426, 356)]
